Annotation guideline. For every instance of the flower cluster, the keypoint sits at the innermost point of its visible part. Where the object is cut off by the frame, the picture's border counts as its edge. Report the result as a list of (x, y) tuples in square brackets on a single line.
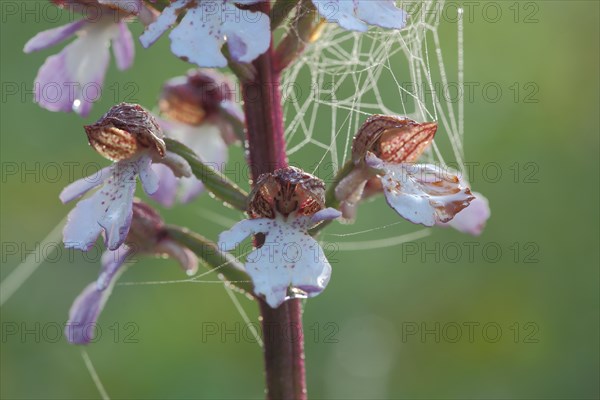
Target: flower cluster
[(198, 111), (384, 152)]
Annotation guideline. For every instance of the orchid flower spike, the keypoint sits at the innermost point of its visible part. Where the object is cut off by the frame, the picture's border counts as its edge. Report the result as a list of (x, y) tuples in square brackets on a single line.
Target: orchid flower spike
[(199, 112), (146, 236), (72, 80), (384, 151), (207, 26), (130, 136), (283, 206), (356, 15)]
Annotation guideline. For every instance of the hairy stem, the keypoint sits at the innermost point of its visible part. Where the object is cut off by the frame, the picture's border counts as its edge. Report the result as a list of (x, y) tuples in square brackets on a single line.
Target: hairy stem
[(282, 327)]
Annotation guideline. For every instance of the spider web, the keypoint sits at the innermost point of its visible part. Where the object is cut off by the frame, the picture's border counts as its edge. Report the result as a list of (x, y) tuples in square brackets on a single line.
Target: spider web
[(350, 76), (353, 75)]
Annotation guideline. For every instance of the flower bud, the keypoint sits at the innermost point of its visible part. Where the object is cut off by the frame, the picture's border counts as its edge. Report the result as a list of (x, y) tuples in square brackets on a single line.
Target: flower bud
[(193, 98), (286, 191), (146, 227), (392, 139), (148, 235), (125, 130)]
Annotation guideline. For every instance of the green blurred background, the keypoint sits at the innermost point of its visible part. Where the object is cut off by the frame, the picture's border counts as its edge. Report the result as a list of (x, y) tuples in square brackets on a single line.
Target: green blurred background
[(366, 335)]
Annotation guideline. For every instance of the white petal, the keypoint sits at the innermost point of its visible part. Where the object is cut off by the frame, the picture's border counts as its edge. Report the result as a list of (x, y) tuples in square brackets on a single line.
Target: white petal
[(228, 240), (423, 193), (341, 12), (198, 38), (352, 14), (164, 21), (383, 13), (248, 37), (203, 30)]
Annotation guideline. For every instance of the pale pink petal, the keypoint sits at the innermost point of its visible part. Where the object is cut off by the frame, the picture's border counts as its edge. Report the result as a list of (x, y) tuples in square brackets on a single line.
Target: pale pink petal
[(86, 308), (232, 122), (356, 14), (208, 144), (148, 177), (111, 261), (423, 193), (190, 188), (83, 185), (326, 214), (167, 188), (472, 219), (123, 47), (81, 327), (72, 80), (52, 37)]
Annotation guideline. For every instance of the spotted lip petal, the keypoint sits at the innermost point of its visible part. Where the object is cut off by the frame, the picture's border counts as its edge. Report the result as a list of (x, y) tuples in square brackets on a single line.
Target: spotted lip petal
[(110, 208), (289, 258), (84, 185), (203, 30), (356, 14), (422, 193)]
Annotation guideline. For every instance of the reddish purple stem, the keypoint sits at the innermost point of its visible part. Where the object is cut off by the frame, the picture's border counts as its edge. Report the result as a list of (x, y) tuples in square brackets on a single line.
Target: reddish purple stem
[(282, 327)]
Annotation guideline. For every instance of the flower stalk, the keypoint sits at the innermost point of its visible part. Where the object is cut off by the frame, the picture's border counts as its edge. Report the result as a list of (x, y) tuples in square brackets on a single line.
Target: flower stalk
[(282, 326)]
